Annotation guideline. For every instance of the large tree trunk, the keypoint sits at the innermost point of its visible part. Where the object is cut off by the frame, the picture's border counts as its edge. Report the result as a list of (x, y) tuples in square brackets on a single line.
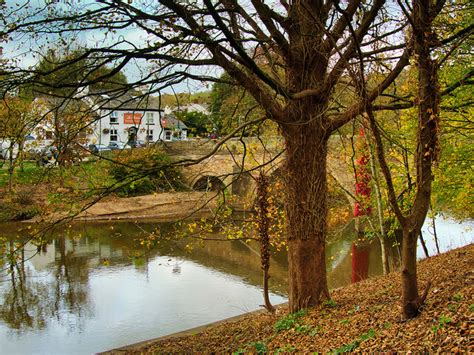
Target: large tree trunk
[(306, 151), (306, 210)]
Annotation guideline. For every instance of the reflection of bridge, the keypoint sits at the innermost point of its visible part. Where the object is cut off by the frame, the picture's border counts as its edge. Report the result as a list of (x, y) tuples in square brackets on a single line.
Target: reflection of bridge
[(235, 163)]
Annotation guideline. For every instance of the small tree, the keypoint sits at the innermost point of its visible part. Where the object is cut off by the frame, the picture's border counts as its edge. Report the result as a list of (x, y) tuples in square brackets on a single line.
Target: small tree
[(198, 123), (17, 120), (427, 152)]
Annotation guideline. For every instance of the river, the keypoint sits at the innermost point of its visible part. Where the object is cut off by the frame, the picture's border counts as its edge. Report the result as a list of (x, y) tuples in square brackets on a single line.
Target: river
[(93, 287)]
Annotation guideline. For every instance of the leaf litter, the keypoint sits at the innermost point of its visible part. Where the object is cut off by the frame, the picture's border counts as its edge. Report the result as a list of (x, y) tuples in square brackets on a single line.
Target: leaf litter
[(362, 317)]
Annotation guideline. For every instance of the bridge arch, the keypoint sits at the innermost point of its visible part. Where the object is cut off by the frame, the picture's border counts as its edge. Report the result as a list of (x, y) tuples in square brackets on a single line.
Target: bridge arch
[(208, 183)]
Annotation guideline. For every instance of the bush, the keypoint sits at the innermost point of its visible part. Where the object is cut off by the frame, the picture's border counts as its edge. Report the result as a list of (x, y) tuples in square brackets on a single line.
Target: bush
[(13, 212), (24, 196), (143, 171)]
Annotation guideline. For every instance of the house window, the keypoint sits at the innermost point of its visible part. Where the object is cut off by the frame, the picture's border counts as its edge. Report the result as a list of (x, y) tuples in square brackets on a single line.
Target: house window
[(114, 117), (113, 135), (149, 118), (149, 135), (168, 135)]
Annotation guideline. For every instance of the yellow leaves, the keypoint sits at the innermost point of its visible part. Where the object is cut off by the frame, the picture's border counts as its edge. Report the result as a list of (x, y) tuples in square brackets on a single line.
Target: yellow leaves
[(188, 248), (192, 227)]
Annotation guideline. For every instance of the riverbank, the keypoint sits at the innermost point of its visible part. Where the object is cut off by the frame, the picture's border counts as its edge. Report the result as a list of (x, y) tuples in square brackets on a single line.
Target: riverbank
[(361, 317), (161, 207), (168, 206)]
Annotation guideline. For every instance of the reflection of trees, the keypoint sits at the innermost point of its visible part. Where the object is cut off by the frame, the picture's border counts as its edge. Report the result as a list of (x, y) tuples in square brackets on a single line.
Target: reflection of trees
[(343, 259), (22, 301), (232, 257), (71, 281), (29, 298)]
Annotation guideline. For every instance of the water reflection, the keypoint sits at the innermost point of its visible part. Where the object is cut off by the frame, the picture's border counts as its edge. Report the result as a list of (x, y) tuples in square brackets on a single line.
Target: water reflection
[(451, 234), (21, 307), (92, 288), (55, 279)]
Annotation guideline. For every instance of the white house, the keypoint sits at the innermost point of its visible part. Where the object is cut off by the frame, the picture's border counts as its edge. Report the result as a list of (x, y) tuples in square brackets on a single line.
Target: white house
[(100, 120), (126, 119), (125, 122)]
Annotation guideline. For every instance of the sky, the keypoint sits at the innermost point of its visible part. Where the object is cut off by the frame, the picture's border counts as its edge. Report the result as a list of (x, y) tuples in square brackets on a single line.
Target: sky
[(26, 51)]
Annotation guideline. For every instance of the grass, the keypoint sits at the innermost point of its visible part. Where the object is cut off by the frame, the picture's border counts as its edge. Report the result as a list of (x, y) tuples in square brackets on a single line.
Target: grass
[(442, 322), (356, 343), (34, 185), (90, 174), (30, 175)]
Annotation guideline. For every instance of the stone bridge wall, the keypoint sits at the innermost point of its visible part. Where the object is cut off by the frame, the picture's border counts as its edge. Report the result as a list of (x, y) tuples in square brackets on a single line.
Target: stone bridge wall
[(234, 163)]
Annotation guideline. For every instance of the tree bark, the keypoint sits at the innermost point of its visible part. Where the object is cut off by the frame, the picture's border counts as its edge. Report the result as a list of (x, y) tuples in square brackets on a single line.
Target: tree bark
[(435, 234), (410, 297), (306, 210), (423, 245), (427, 152), (426, 155)]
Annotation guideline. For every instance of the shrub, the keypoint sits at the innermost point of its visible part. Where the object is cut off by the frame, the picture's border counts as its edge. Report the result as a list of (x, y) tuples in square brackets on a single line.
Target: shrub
[(24, 196), (143, 171), (14, 212)]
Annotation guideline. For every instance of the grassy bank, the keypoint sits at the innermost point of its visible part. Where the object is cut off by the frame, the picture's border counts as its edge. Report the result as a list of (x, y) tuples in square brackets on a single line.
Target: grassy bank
[(361, 317)]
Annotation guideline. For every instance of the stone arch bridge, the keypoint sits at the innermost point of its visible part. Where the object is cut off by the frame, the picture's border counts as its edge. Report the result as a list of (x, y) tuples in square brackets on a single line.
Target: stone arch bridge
[(233, 164)]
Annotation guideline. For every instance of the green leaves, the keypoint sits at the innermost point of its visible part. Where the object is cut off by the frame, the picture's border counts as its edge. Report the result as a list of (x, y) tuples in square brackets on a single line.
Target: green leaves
[(289, 321), (356, 343)]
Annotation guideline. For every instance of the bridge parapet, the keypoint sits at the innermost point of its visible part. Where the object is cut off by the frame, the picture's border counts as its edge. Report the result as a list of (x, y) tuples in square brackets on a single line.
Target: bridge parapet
[(226, 164), (232, 146)]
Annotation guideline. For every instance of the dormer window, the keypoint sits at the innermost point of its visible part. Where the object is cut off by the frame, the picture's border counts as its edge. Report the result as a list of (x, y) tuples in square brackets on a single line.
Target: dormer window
[(114, 117)]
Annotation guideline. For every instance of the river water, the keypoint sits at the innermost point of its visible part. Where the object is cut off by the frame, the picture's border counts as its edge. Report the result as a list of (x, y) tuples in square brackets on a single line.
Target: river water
[(93, 287)]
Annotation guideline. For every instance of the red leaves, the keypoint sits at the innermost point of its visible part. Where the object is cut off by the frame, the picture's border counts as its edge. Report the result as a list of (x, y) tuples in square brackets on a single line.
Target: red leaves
[(361, 211), (362, 177)]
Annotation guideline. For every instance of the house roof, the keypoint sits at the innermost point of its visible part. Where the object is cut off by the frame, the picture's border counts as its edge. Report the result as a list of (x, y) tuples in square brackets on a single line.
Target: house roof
[(125, 101), (192, 107), (171, 122)]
